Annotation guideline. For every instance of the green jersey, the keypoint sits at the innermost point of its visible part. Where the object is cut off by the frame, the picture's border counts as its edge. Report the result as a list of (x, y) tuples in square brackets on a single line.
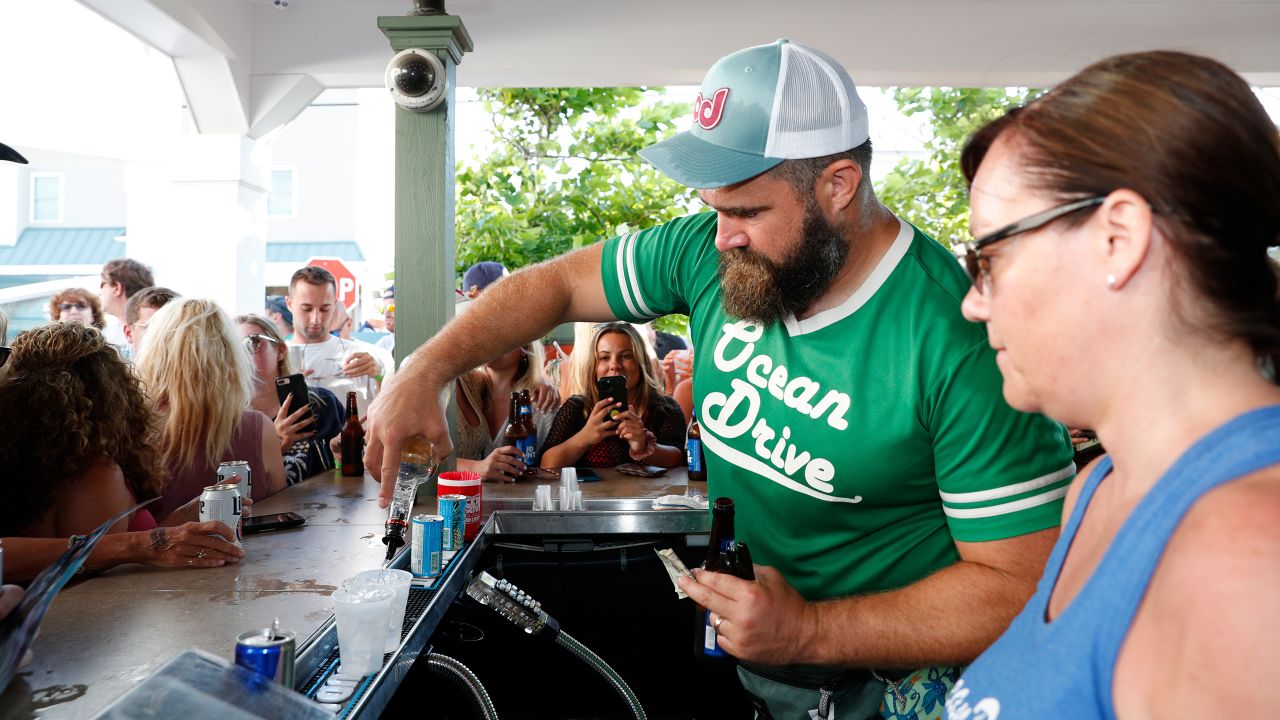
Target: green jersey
[(860, 443)]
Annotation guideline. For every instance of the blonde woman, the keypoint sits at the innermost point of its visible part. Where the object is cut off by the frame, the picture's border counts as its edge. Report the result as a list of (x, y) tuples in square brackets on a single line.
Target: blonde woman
[(198, 375), (583, 433), (484, 397)]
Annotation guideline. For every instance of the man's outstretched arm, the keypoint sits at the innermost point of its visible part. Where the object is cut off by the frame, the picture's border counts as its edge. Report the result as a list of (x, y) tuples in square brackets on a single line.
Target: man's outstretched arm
[(512, 312)]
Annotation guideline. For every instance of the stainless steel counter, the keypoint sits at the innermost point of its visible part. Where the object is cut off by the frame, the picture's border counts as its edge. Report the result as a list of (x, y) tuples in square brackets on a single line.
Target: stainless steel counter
[(107, 633)]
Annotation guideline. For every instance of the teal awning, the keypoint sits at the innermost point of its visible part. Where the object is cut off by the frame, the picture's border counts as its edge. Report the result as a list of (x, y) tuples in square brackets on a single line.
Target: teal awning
[(300, 252), (64, 246)]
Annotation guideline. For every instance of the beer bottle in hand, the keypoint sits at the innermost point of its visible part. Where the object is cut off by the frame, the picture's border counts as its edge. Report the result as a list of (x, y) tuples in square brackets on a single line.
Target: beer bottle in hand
[(515, 434), (352, 440), (530, 447), (720, 549), (693, 451)]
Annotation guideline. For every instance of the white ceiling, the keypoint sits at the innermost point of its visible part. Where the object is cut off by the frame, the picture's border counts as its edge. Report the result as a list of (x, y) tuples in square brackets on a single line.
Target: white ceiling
[(673, 42), (248, 66)]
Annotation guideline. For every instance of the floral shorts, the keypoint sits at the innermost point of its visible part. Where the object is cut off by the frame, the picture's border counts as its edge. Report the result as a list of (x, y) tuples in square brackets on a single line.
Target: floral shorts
[(921, 695)]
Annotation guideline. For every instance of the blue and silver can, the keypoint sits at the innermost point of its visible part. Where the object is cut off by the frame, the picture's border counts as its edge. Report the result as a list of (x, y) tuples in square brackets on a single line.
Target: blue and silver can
[(426, 546), (268, 652), (454, 510)]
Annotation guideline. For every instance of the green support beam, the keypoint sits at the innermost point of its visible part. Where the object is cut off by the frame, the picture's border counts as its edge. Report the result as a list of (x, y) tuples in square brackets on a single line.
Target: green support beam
[(424, 227)]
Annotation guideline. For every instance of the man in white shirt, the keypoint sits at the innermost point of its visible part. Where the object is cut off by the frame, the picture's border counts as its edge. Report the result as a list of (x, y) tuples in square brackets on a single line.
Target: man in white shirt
[(122, 278), (328, 361)]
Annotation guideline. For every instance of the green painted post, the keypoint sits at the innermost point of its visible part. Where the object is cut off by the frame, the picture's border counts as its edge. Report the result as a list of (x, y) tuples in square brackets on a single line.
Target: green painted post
[(425, 252)]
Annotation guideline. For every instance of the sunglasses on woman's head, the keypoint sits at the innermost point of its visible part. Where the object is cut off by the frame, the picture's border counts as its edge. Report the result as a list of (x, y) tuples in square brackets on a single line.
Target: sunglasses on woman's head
[(4, 354)]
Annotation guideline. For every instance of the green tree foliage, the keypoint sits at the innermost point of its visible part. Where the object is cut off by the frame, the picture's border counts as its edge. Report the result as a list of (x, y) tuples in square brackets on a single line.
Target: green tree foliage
[(930, 192), (564, 173)]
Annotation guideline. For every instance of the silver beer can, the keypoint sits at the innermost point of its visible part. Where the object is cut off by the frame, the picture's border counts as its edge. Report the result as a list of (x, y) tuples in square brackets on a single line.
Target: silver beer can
[(232, 469), (222, 503)]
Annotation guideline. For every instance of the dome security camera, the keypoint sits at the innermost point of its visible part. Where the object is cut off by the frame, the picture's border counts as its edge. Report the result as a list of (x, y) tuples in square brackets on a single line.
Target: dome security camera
[(416, 79)]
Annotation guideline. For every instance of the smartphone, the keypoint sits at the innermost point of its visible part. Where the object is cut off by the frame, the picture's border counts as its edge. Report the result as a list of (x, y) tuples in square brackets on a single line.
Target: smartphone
[(615, 388), (275, 521), (296, 385), (587, 475)]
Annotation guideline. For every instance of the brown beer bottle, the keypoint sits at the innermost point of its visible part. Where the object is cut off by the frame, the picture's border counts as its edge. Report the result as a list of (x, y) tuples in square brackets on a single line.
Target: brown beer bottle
[(514, 435), (720, 558), (352, 440), (694, 458)]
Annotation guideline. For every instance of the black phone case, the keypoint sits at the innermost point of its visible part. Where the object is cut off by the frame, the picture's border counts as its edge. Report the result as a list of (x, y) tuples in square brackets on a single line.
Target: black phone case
[(613, 386), (297, 385), (250, 526)]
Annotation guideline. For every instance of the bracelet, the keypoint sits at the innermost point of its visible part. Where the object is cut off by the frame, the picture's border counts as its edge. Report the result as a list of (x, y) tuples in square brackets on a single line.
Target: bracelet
[(650, 447)]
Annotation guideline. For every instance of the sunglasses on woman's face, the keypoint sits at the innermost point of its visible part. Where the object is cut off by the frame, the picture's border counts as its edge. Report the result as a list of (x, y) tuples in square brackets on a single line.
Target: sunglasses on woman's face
[(67, 307), (4, 355), (253, 342)]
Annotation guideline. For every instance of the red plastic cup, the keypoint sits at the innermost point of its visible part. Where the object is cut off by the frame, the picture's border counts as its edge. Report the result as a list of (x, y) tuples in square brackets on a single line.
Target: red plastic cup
[(461, 482)]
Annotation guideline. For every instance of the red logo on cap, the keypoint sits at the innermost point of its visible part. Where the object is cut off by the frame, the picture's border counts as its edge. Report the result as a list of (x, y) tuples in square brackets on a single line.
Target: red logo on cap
[(707, 113)]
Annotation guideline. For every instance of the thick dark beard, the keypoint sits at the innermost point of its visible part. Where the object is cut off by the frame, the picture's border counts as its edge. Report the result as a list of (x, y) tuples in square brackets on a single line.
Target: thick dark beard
[(756, 289)]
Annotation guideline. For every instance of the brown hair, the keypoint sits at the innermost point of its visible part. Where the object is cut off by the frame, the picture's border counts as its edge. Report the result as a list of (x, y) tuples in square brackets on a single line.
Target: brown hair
[(803, 173), (1188, 135), (313, 275), (79, 404), (268, 328), (650, 387), (152, 297), (72, 295), (131, 274)]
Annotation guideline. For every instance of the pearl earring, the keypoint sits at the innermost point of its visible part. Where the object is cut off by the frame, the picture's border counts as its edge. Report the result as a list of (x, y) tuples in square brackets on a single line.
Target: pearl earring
[(1111, 281)]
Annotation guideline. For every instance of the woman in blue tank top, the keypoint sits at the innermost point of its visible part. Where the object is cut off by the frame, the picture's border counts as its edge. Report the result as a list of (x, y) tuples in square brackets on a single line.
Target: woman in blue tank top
[(1121, 266)]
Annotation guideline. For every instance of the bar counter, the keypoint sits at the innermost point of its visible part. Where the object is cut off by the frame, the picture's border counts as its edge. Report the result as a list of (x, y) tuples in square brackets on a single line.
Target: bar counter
[(107, 633)]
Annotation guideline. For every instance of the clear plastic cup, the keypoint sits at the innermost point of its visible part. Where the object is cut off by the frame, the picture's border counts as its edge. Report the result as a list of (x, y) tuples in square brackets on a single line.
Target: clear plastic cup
[(398, 582), (362, 612)]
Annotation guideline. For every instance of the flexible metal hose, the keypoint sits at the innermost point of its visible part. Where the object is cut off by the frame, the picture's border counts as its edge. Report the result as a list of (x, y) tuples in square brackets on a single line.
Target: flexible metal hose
[(445, 665), (567, 642)]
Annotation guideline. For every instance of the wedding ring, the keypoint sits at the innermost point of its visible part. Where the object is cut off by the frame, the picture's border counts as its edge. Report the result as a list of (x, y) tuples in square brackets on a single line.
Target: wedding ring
[(716, 625), (190, 562), (200, 554)]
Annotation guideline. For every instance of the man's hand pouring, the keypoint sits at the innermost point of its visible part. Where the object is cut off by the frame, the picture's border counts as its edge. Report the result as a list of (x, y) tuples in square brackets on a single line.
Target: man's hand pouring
[(408, 407)]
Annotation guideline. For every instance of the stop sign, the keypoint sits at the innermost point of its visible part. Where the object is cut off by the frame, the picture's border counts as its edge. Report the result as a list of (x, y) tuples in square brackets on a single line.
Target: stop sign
[(348, 288)]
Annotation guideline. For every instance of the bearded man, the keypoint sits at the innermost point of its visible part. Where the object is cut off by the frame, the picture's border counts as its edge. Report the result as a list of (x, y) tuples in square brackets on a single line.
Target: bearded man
[(900, 511)]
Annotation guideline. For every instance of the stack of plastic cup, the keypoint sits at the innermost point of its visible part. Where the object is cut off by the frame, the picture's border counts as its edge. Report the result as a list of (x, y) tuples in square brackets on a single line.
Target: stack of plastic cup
[(398, 582), (542, 498), (362, 612), (568, 487)]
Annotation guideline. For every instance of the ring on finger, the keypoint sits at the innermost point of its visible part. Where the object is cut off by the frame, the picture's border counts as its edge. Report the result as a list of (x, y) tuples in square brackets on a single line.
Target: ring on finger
[(716, 625), (190, 562), (200, 554)]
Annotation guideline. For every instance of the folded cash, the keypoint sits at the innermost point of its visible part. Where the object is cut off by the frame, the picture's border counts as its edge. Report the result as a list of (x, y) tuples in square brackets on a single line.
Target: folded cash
[(675, 568)]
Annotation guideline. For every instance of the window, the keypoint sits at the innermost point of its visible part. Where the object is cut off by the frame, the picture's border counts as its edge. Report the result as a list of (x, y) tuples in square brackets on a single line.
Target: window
[(283, 198), (46, 197)]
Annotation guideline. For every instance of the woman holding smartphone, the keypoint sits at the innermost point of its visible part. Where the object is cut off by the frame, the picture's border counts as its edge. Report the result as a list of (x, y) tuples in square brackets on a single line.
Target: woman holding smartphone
[(592, 430), (304, 428)]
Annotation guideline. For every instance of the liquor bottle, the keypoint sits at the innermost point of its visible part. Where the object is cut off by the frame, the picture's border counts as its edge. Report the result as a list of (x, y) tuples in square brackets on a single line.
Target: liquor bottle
[(693, 451), (515, 434), (352, 440), (530, 447)]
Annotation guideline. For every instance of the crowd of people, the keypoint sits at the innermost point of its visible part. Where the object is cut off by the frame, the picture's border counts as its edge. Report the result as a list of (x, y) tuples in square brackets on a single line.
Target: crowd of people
[(891, 423), (148, 418)]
